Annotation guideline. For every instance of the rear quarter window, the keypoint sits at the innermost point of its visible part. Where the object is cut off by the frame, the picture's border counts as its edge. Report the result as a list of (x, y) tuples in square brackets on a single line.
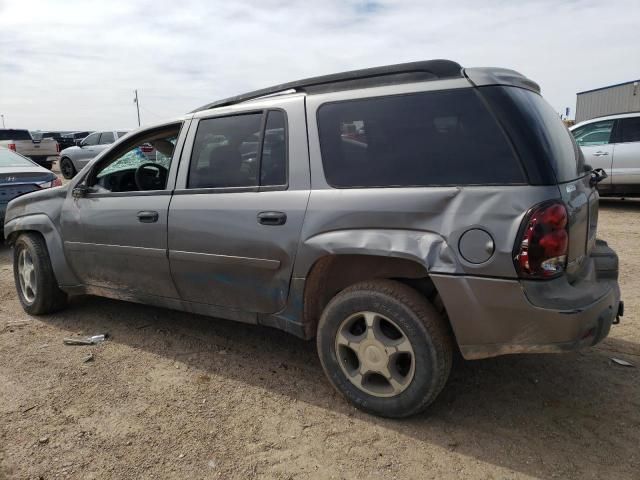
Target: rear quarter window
[(543, 142), (422, 139)]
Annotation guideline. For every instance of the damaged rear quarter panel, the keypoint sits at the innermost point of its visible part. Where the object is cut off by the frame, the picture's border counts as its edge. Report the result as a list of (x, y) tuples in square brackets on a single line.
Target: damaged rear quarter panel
[(420, 224)]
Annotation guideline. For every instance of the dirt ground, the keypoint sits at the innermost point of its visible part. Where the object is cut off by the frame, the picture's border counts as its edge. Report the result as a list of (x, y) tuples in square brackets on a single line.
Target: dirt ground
[(173, 395)]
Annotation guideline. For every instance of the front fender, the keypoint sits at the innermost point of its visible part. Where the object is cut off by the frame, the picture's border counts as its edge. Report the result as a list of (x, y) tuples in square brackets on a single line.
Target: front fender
[(41, 223), (426, 248)]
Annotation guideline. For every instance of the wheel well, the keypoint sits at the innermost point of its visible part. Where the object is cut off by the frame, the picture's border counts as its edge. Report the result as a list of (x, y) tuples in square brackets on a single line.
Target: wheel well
[(333, 273), (10, 240)]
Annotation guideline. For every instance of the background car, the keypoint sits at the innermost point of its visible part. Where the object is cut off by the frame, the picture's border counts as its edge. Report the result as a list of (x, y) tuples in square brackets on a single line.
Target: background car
[(19, 175), (58, 136), (613, 144), (73, 159), (77, 137), (42, 151)]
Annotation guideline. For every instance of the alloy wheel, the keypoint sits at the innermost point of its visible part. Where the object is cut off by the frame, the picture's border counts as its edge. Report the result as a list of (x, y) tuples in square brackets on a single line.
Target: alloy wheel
[(27, 275), (375, 354)]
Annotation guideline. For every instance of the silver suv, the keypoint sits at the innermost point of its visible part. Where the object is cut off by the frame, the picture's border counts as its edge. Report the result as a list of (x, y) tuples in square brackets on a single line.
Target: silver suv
[(396, 214), (613, 144)]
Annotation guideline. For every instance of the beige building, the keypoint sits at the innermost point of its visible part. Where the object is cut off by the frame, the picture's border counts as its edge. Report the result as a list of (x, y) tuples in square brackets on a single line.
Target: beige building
[(620, 98)]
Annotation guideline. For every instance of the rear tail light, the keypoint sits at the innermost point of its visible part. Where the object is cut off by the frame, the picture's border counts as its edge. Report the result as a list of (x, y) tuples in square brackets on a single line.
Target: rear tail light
[(541, 250), (12, 146), (56, 182), (57, 147)]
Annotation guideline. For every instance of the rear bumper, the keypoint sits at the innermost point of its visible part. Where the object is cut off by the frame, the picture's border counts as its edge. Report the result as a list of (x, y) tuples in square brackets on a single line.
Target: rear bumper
[(493, 317)]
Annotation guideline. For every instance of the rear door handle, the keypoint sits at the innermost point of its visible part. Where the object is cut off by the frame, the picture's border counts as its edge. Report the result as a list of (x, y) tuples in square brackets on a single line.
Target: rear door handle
[(148, 216), (272, 218), (599, 154)]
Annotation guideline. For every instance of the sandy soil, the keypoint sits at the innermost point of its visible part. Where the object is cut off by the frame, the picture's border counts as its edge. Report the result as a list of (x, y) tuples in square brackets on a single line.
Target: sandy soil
[(173, 395)]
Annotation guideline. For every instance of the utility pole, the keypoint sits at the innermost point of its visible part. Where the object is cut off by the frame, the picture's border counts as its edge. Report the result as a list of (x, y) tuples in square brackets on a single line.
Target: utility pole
[(2, 120), (135, 100)]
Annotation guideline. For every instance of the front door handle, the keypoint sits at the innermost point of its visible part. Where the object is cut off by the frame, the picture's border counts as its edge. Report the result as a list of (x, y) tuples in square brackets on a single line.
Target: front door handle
[(272, 218), (148, 216), (599, 154)]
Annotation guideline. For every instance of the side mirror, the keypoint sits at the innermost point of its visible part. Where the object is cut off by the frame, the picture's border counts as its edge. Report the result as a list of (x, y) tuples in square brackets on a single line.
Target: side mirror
[(80, 191)]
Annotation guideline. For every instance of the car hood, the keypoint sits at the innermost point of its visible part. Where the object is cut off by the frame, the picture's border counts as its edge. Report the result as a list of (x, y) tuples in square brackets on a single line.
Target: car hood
[(75, 148), (47, 201)]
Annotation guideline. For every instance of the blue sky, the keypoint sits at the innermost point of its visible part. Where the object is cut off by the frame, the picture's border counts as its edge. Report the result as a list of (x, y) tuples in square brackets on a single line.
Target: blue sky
[(74, 64)]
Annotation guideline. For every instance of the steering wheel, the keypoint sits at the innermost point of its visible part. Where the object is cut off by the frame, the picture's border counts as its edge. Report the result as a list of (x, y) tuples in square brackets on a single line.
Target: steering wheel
[(151, 176)]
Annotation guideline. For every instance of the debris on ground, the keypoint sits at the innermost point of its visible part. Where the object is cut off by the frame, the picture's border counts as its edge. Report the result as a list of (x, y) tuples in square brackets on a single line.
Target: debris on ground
[(88, 358), (624, 363), (43, 440), (91, 340), (29, 408)]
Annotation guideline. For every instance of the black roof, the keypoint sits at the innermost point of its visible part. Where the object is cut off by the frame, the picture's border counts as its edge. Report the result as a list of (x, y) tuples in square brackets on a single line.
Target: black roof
[(368, 77)]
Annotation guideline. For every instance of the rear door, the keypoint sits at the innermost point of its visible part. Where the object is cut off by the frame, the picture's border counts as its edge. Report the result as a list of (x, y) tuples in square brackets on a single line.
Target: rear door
[(237, 211), (626, 162)]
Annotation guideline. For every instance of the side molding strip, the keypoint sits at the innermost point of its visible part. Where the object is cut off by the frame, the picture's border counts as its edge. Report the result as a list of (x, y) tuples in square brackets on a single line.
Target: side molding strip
[(267, 264)]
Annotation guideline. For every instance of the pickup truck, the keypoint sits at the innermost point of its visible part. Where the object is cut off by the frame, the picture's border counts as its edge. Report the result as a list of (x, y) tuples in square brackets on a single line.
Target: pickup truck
[(44, 152)]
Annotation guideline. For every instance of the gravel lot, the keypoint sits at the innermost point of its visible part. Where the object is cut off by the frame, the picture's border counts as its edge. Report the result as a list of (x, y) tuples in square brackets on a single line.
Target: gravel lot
[(173, 395)]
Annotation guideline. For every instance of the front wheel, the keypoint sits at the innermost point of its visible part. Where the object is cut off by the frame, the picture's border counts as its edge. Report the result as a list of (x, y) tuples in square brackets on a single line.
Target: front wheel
[(385, 348), (36, 284), (67, 169)]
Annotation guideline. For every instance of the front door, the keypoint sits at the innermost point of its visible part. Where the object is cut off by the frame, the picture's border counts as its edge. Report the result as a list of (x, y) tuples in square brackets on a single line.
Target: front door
[(595, 141), (237, 211), (115, 234), (87, 151)]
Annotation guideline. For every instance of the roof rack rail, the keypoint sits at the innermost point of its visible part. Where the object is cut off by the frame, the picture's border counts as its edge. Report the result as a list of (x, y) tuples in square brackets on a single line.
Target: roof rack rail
[(368, 77)]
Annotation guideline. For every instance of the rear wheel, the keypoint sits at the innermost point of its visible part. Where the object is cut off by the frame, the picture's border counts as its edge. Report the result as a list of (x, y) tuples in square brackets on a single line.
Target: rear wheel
[(67, 169), (36, 284), (385, 348)]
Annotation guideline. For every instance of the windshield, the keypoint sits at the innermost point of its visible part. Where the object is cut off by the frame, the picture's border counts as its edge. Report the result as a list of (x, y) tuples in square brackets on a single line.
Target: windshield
[(10, 134), (10, 159)]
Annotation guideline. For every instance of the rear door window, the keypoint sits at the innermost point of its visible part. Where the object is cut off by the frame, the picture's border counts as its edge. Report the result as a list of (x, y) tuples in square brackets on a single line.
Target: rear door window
[(225, 152), (433, 138), (629, 130), (273, 165), (246, 150)]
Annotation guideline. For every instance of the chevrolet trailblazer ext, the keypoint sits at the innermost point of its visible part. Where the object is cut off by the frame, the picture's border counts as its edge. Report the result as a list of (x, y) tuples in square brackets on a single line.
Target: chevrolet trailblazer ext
[(394, 213)]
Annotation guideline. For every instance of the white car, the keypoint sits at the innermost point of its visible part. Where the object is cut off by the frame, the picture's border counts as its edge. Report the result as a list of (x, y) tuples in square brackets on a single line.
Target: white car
[(613, 144)]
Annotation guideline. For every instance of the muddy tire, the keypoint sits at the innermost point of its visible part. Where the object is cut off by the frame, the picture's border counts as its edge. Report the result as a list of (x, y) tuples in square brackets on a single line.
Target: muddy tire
[(385, 347), (67, 169), (36, 284)]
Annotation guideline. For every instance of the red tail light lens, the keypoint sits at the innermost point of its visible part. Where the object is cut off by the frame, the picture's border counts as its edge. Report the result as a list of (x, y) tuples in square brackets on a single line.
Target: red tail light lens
[(541, 251), (12, 146), (57, 147), (57, 183)]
